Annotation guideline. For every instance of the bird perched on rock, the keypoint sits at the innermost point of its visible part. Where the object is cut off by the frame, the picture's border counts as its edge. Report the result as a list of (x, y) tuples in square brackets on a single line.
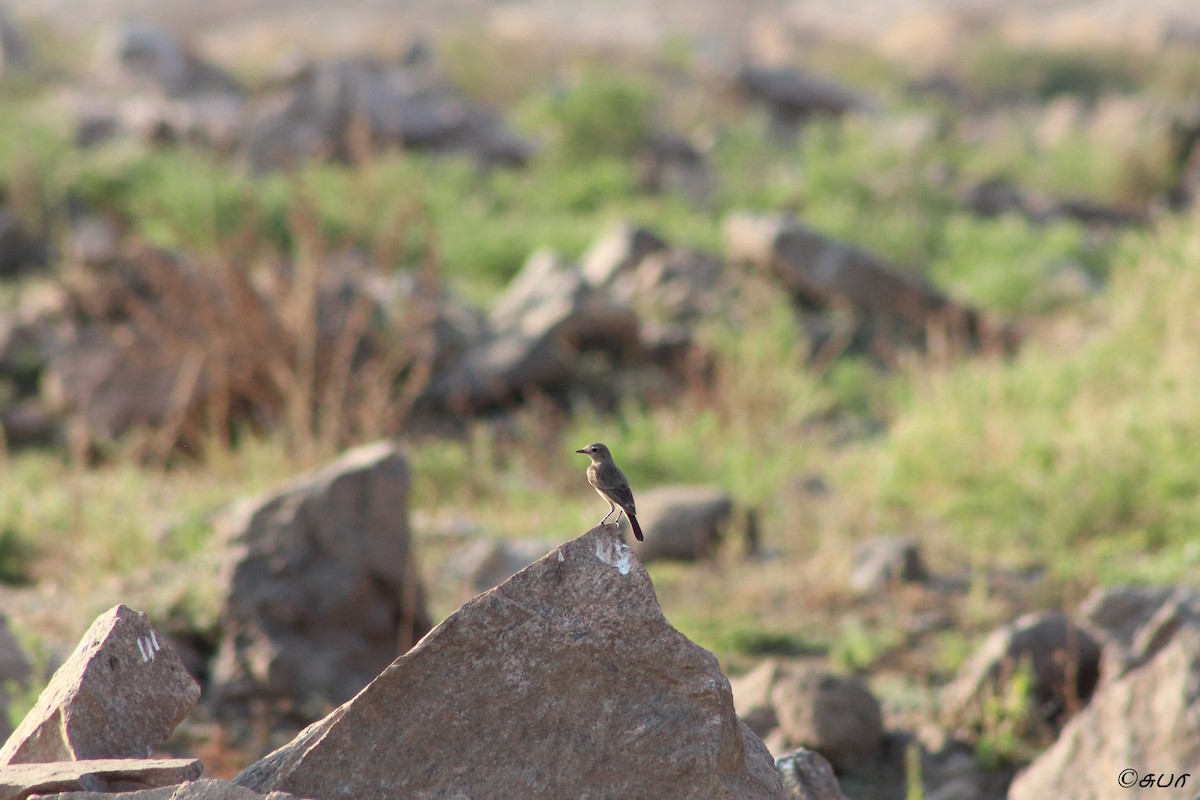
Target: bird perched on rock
[(610, 483)]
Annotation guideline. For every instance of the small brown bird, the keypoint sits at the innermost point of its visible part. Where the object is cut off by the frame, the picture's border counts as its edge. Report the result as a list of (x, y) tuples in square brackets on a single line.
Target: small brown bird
[(610, 483)]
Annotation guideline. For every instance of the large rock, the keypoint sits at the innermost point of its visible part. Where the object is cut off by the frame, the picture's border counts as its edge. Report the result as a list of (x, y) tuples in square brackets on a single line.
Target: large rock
[(321, 586), (203, 789), (565, 681), (1063, 658), (19, 781), (684, 523), (119, 695), (1139, 727)]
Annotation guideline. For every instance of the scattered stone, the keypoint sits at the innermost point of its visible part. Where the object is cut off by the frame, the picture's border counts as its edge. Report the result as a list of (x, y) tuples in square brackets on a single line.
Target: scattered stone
[(497, 374), (20, 251), (1143, 721), (885, 561), (549, 299), (119, 695), (1119, 612), (683, 523), (794, 97), (835, 715), (15, 54), (1063, 657), (618, 251), (143, 55), (566, 680), (485, 564), (996, 196), (321, 587), (825, 273), (203, 789), (345, 109), (808, 776), (106, 776), (669, 162), (752, 696), (679, 285)]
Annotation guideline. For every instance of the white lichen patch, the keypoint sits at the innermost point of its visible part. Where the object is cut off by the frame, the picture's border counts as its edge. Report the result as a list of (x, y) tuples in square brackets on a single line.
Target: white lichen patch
[(615, 554)]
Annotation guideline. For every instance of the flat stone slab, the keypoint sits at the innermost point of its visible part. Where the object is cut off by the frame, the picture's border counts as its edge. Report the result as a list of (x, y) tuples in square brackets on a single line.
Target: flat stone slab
[(107, 775)]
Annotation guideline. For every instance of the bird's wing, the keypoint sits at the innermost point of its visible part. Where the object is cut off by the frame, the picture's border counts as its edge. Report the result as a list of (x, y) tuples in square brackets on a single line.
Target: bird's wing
[(618, 487)]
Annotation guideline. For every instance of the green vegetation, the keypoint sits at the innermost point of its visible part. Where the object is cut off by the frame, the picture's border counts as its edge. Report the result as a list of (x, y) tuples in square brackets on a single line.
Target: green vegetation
[(1076, 454)]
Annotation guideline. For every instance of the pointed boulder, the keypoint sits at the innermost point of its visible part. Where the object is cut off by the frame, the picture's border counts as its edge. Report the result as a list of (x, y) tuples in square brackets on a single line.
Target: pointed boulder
[(119, 695), (564, 681)]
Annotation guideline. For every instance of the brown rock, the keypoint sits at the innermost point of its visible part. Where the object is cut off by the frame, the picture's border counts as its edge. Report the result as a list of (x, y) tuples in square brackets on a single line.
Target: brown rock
[(565, 681), (192, 790), (835, 715), (487, 563), (618, 251), (885, 561), (808, 776), (119, 695), (19, 781), (321, 586), (752, 695), (794, 96), (1064, 659), (1144, 721), (684, 523), (1135, 622), (827, 273)]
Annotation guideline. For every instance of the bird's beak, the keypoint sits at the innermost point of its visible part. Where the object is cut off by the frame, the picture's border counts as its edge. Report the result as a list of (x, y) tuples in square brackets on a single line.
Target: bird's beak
[(581, 451)]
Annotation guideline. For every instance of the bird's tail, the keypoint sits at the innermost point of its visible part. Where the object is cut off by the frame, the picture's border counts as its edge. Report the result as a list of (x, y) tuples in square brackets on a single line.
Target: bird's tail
[(637, 529)]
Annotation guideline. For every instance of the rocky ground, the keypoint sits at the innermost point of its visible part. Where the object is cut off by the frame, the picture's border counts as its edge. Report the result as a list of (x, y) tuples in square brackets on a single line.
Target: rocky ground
[(567, 674)]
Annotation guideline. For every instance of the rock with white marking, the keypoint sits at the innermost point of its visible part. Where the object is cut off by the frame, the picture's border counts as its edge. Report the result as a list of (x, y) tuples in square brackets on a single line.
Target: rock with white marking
[(564, 681), (106, 775), (119, 695), (321, 588), (204, 789)]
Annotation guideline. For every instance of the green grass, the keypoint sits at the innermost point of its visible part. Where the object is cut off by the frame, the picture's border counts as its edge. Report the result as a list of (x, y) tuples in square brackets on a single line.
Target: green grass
[(1068, 456)]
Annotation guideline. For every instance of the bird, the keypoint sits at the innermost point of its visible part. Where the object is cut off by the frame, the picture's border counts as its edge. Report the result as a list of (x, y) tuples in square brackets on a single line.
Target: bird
[(610, 483)]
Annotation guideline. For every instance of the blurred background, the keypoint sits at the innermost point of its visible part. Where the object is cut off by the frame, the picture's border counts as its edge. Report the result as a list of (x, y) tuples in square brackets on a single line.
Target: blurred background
[(887, 310)]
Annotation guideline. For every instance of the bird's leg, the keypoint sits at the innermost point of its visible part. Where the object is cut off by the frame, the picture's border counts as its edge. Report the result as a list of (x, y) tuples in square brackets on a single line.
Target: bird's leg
[(620, 514), (611, 508)]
